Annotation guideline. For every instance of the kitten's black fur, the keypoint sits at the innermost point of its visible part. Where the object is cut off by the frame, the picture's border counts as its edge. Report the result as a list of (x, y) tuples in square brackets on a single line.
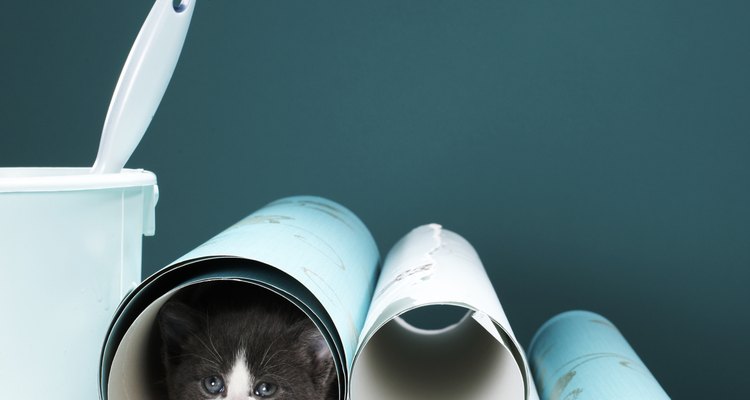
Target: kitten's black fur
[(201, 337)]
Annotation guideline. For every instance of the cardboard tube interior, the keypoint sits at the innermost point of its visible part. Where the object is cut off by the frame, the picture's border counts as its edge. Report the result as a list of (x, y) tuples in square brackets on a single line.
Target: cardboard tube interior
[(137, 371), (459, 361)]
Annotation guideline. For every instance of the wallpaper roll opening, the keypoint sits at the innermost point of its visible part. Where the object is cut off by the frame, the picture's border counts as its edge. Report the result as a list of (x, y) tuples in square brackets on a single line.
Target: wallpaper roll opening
[(460, 361), (136, 370), (476, 358)]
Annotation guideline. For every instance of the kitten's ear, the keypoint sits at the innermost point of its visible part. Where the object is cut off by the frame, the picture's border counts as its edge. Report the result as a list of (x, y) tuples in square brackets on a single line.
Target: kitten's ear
[(323, 368), (177, 322)]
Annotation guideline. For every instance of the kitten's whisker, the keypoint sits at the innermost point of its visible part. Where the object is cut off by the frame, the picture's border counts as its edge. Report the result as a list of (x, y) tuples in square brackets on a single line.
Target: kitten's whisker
[(263, 366), (210, 351), (210, 338), (263, 360), (281, 380), (212, 362)]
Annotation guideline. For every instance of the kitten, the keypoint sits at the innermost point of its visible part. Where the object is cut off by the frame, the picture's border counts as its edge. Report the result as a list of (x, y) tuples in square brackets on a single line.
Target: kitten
[(231, 346)]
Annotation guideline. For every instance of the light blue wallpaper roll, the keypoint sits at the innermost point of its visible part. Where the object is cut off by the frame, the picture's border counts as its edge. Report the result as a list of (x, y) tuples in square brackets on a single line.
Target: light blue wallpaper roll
[(580, 355)]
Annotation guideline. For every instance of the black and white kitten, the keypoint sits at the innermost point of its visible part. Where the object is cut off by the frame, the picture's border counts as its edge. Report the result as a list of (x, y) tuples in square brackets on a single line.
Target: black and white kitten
[(232, 346)]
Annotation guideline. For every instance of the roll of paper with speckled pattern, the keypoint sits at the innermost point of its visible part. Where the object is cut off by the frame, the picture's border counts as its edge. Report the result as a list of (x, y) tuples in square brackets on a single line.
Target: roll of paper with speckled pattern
[(580, 355)]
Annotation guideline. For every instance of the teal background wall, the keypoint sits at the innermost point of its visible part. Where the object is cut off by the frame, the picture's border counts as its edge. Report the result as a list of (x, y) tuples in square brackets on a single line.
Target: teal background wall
[(596, 153)]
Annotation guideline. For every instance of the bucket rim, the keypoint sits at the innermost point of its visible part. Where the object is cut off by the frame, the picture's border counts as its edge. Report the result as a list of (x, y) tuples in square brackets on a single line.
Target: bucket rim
[(64, 179)]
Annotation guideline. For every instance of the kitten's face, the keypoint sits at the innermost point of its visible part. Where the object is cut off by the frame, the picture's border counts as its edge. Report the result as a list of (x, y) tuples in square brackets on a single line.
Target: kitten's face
[(240, 354)]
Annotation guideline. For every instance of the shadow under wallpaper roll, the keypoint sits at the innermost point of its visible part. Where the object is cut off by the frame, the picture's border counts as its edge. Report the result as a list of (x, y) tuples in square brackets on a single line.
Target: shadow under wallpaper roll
[(596, 154)]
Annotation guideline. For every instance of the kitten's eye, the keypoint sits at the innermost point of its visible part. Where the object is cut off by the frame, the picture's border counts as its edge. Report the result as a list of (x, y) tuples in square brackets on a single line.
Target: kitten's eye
[(213, 384), (265, 389)]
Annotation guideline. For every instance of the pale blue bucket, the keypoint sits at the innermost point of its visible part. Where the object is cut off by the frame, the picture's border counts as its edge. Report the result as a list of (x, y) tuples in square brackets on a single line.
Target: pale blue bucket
[(70, 249)]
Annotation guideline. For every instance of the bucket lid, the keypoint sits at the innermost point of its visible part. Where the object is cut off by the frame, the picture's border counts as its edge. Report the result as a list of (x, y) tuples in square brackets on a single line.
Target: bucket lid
[(15, 180)]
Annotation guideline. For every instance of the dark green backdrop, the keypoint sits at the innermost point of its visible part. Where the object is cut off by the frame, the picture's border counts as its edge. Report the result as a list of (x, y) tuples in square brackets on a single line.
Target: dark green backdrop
[(596, 153)]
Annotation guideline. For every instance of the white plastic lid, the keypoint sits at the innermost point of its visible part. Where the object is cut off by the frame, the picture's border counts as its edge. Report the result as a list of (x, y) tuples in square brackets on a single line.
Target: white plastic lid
[(69, 179)]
